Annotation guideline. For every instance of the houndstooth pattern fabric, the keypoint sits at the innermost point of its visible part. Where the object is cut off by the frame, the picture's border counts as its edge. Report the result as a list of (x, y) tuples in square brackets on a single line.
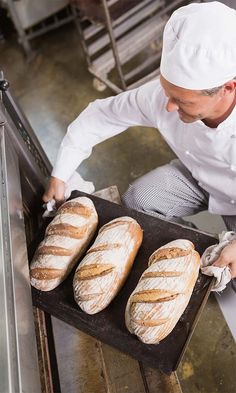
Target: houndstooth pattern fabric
[(170, 192)]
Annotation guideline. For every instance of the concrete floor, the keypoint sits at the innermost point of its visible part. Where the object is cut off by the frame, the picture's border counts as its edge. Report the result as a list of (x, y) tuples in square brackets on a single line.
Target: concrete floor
[(52, 90)]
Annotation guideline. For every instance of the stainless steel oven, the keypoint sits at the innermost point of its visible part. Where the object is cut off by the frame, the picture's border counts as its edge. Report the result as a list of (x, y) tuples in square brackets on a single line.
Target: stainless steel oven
[(24, 168), (28, 360)]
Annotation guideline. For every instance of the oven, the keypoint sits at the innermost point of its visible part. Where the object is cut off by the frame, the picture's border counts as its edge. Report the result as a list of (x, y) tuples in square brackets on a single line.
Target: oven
[(27, 354), (24, 169)]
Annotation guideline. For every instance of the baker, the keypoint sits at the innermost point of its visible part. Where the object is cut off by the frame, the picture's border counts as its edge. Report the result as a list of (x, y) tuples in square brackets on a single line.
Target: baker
[(192, 104)]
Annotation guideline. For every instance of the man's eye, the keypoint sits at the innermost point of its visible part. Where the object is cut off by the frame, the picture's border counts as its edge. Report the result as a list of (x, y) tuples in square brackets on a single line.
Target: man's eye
[(184, 103)]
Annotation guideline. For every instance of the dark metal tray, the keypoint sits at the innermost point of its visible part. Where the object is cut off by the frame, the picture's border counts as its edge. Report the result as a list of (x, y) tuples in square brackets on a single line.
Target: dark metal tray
[(109, 325)]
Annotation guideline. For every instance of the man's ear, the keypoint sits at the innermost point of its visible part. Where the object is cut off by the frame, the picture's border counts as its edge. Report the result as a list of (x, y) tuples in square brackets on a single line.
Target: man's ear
[(229, 87)]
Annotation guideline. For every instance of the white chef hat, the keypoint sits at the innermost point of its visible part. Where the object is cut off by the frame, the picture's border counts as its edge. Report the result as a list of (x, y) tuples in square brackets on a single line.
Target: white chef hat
[(199, 46)]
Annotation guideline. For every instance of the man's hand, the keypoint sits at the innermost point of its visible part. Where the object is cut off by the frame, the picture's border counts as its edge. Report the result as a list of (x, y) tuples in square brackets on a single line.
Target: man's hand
[(228, 258), (55, 190)]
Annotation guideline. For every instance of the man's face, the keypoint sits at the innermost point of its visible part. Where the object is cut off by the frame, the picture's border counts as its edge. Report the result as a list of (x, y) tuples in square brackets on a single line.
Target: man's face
[(191, 105)]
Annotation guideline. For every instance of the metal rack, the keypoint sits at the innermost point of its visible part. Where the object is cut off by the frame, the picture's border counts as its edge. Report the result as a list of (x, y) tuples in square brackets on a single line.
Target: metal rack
[(32, 18), (123, 48)]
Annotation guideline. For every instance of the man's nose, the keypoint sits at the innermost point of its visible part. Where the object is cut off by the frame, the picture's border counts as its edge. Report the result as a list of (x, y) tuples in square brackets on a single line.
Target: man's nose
[(171, 106)]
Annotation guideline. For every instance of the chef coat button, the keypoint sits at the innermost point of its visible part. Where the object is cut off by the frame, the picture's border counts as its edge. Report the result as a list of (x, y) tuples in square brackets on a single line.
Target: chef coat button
[(232, 201), (233, 168), (187, 152), (233, 136)]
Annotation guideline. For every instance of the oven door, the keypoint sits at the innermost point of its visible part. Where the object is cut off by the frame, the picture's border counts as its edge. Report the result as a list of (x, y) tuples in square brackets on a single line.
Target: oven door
[(23, 171)]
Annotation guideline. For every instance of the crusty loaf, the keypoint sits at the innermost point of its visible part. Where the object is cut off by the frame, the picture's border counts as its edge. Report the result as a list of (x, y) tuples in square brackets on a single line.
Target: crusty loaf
[(103, 270), (66, 238), (163, 291)]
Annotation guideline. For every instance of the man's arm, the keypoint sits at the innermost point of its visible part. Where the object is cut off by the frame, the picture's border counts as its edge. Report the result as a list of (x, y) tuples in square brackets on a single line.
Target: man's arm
[(101, 120), (228, 258)]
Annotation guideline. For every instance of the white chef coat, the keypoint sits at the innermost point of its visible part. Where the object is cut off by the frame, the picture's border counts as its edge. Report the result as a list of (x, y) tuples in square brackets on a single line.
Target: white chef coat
[(209, 154)]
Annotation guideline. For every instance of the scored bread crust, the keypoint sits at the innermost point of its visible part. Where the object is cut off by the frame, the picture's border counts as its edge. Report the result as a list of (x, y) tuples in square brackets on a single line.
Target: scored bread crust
[(104, 269), (163, 291), (66, 239)]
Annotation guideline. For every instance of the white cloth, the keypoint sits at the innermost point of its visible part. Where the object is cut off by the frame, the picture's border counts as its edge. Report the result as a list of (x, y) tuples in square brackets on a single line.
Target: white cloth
[(199, 50), (209, 154), (222, 274), (75, 183)]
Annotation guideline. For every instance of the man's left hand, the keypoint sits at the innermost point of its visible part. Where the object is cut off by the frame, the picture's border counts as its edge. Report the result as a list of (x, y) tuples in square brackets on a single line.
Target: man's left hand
[(228, 258)]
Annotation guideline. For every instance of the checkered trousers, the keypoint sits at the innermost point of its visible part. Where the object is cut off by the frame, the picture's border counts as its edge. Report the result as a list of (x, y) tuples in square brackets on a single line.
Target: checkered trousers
[(170, 192)]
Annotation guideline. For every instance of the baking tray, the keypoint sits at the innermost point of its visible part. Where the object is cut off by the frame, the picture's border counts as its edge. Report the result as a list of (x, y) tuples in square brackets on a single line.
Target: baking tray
[(108, 325)]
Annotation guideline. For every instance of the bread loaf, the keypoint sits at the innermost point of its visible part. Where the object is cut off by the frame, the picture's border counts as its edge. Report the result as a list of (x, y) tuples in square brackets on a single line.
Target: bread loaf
[(66, 238), (103, 270), (163, 291)]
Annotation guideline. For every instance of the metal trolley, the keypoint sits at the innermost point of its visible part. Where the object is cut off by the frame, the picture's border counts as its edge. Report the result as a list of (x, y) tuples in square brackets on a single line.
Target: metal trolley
[(33, 18), (122, 40)]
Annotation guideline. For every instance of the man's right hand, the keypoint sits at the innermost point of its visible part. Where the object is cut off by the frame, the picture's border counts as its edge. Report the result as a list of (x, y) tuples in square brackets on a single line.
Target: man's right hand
[(55, 190)]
